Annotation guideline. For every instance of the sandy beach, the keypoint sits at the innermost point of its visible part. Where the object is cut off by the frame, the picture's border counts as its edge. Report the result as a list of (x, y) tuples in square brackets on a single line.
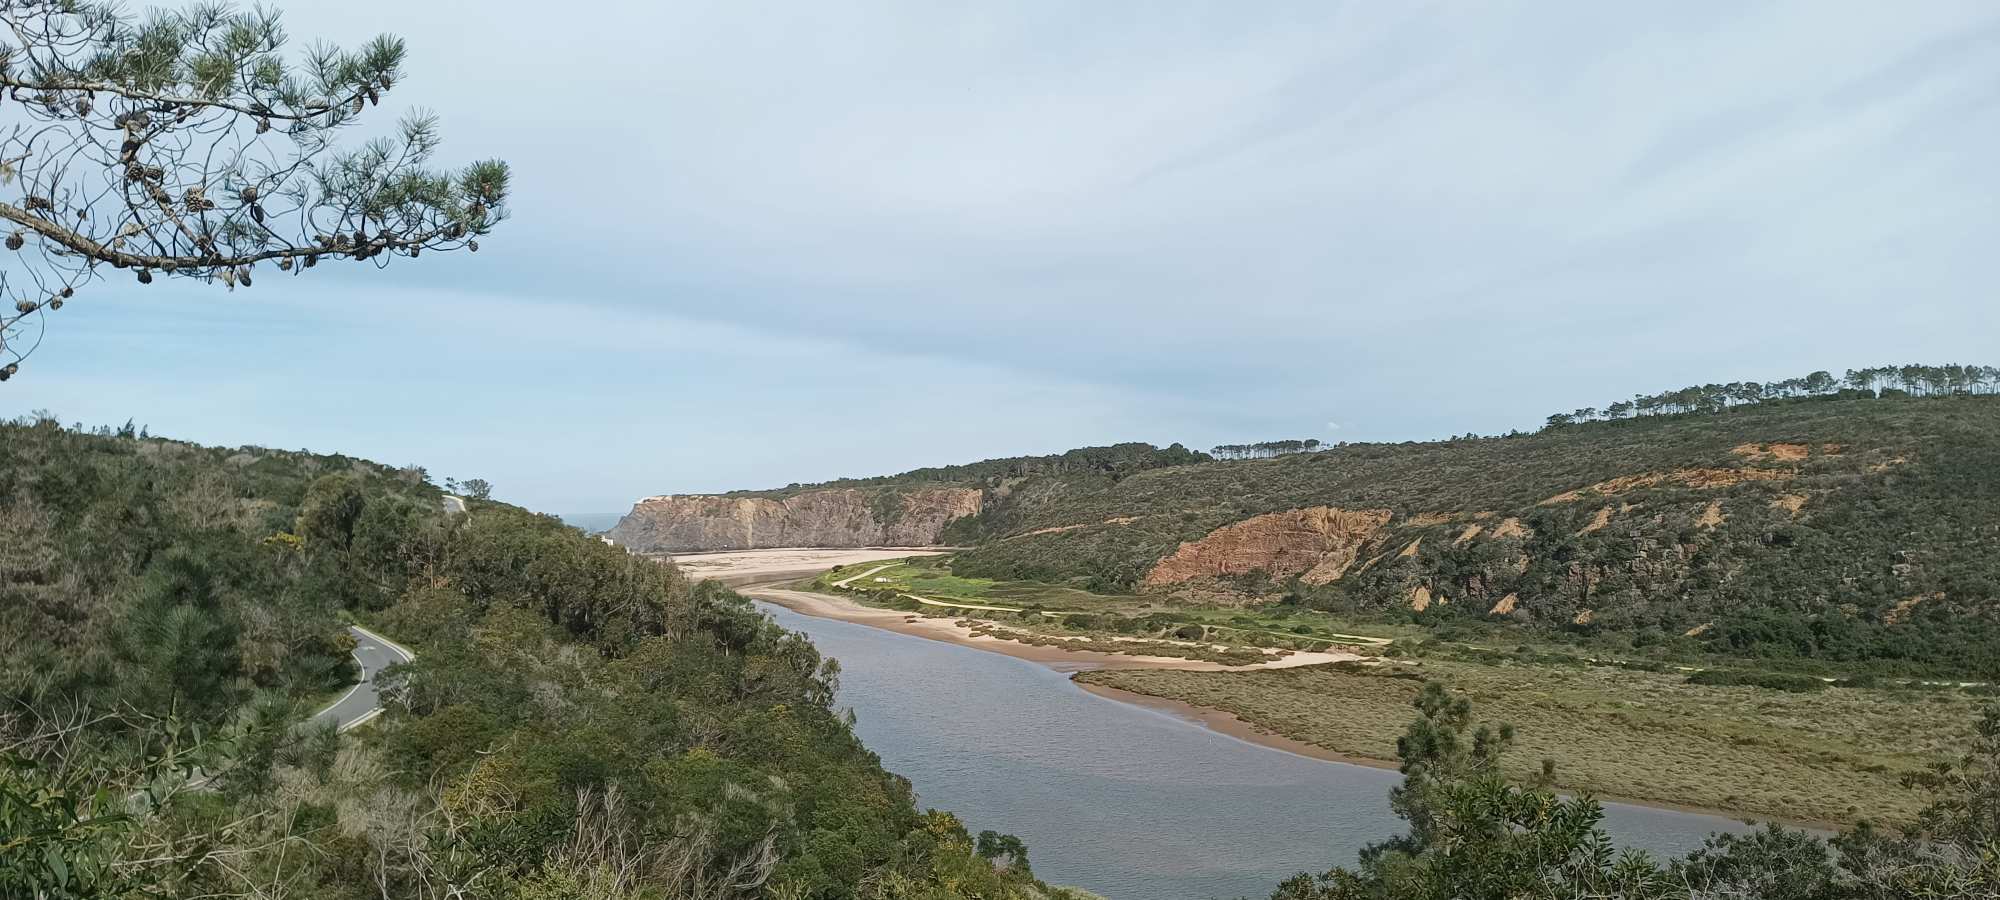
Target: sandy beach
[(737, 567)]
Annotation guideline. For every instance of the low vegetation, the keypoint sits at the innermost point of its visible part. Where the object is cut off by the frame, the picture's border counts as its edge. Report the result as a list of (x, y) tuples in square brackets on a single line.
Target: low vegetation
[(1833, 755)]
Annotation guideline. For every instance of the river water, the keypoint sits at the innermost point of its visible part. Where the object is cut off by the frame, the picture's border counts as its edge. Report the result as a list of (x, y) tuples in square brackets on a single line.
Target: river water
[(1130, 802)]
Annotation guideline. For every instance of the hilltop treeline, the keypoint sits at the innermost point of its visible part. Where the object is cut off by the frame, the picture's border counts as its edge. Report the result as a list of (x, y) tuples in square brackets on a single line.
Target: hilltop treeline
[(578, 722), (1264, 449), (1905, 380), (1115, 461)]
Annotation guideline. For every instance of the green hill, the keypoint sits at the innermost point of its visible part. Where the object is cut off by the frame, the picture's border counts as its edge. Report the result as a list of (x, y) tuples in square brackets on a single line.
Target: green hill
[(577, 721)]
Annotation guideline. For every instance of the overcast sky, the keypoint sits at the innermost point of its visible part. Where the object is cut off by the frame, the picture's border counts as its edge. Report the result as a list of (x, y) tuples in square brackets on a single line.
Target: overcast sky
[(763, 243)]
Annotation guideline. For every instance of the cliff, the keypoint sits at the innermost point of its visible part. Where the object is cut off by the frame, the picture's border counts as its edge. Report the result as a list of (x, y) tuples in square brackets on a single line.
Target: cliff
[(1317, 544), (844, 517)]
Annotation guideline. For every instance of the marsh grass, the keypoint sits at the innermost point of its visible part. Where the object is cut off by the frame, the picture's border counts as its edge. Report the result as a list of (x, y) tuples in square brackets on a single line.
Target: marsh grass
[(1828, 756)]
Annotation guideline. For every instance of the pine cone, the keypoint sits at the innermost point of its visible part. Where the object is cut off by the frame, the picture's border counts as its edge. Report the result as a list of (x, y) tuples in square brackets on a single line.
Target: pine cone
[(14, 241), (56, 303), (25, 307), (145, 276)]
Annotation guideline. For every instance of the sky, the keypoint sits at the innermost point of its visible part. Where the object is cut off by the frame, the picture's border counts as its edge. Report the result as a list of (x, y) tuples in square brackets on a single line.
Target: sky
[(754, 244)]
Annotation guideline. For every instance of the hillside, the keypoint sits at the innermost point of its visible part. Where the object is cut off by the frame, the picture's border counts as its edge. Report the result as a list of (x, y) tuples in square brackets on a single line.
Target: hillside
[(1836, 528), (577, 721)]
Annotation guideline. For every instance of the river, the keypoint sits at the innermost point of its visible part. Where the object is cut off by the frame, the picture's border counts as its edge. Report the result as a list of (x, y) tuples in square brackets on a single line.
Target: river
[(1130, 802)]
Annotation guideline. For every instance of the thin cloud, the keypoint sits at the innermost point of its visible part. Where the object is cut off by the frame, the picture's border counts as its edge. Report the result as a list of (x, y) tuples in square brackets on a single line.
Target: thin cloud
[(1100, 222)]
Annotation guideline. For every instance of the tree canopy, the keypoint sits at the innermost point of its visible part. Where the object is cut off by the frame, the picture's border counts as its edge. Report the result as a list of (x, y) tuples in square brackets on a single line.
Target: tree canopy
[(1264, 449), (187, 143), (1952, 379)]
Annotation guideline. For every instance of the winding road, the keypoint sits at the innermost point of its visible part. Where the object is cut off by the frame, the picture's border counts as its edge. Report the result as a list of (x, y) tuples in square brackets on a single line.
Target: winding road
[(374, 652), (361, 702)]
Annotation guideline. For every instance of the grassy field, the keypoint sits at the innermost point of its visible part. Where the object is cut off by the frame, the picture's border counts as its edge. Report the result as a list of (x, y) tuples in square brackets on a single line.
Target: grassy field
[(1834, 755)]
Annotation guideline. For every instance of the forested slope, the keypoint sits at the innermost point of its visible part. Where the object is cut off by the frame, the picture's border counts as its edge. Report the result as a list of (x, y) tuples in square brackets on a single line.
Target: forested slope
[(578, 722)]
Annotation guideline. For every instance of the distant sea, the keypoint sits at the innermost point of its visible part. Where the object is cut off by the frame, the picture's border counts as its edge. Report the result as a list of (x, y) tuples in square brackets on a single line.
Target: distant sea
[(591, 522)]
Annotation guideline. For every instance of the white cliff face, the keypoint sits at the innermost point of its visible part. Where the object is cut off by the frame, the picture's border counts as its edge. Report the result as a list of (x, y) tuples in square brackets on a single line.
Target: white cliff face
[(830, 518)]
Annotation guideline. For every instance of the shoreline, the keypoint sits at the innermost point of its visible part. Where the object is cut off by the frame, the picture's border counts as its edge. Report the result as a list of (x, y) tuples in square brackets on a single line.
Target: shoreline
[(948, 630), (825, 606)]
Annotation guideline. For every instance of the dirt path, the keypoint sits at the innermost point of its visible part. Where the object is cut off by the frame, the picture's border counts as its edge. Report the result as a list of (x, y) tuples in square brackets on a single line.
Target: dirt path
[(850, 579)]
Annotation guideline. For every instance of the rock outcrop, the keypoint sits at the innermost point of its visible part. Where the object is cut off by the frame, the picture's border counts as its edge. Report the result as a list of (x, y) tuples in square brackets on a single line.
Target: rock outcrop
[(1319, 543), (848, 517)]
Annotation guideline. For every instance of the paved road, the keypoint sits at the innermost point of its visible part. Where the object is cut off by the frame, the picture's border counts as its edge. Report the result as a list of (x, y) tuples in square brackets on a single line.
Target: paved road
[(360, 704), (355, 707), (375, 653)]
